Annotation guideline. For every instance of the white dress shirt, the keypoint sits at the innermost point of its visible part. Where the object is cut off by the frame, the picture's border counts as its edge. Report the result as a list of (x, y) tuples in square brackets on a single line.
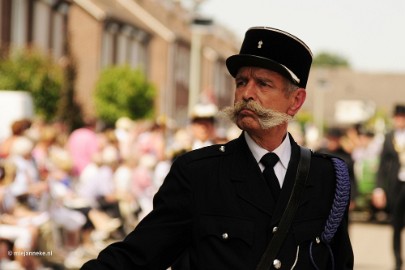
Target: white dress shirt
[(283, 151)]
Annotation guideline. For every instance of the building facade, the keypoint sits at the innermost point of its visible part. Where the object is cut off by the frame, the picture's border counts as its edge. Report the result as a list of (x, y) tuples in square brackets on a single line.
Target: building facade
[(154, 36), (185, 62), (344, 97)]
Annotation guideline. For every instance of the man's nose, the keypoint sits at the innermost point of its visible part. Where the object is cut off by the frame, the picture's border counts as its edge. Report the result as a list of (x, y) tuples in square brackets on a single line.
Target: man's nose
[(249, 92)]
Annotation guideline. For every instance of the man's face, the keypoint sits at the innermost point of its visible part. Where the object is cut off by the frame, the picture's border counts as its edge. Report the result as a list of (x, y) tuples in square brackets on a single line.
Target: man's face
[(399, 121), (268, 89), (202, 129)]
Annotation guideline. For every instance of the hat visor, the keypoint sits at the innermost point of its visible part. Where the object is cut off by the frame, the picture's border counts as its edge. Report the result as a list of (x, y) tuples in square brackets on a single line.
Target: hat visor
[(235, 62)]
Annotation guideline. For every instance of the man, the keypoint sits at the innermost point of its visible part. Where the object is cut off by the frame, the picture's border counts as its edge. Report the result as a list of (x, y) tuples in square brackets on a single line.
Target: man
[(390, 191), (215, 202), (334, 146)]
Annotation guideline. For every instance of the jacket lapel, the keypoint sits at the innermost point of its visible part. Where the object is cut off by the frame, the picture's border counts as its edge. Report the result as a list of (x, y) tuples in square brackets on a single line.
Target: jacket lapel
[(251, 186), (248, 179), (289, 182)]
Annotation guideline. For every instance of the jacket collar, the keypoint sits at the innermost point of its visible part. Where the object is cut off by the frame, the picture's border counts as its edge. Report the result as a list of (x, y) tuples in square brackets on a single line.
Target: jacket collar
[(250, 183)]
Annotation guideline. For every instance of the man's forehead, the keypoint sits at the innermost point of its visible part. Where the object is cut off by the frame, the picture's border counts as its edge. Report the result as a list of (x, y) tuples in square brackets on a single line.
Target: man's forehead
[(257, 71)]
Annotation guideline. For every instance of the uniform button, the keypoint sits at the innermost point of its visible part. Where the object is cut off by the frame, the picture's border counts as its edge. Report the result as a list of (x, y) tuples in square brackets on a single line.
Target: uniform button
[(225, 236), (277, 264), (275, 229)]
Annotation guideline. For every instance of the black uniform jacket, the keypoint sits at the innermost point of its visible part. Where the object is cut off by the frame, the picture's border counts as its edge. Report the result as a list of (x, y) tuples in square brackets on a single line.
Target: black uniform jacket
[(387, 177), (215, 204)]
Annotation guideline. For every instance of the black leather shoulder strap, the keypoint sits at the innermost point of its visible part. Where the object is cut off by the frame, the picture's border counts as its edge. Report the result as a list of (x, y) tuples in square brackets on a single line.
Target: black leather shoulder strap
[(300, 179)]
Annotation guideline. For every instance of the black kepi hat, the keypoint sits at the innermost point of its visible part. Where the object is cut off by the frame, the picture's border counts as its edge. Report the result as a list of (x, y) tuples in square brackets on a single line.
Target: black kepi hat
[(276, 50), (399, 110)]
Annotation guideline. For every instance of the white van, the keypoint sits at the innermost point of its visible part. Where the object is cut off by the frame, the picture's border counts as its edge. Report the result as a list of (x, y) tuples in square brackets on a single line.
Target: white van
[(14, 105)]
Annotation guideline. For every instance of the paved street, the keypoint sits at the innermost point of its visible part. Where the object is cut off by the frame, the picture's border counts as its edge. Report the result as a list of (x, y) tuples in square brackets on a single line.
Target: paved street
[(372, 246)]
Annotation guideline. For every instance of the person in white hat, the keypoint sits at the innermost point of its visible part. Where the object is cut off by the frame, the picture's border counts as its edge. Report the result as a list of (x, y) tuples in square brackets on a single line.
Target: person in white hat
[(203, 125)]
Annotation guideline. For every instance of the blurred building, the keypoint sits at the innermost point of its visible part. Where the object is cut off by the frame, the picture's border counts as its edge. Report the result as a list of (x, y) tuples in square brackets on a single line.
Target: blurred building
[(158, 36), (155, 36), (343, 97)]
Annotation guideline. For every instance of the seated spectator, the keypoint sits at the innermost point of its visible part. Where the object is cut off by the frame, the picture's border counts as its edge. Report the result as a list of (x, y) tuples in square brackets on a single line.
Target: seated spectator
[(17, 129), (19, 226), (26, 174), (61, 192)]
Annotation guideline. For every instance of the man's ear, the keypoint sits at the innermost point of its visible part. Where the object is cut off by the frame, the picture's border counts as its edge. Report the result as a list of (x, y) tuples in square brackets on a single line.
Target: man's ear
[(297, 100)]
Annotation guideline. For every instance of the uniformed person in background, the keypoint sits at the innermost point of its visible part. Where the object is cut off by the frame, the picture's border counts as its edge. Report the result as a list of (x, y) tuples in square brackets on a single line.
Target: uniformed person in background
[(390, 191), (215, 202)]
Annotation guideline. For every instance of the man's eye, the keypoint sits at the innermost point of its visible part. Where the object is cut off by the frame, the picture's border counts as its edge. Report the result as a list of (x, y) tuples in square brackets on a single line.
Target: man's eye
[(262, 83), (240, 83)]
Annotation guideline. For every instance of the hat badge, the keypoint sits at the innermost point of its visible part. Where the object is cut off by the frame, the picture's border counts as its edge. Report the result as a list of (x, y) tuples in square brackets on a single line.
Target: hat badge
[(259, 44)]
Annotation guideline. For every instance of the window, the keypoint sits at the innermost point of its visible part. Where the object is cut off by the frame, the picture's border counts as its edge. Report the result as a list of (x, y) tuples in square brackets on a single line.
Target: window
[(19, 23), (59, 30), (41, 25), (108, 46), (125, 45), (5, 22)]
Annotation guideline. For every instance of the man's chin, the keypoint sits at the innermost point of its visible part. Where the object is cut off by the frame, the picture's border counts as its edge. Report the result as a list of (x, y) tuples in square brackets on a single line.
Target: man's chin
[(248, 123)]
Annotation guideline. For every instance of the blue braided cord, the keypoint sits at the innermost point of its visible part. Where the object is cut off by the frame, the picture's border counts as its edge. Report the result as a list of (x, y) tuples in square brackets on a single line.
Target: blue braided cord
[(340, 201)]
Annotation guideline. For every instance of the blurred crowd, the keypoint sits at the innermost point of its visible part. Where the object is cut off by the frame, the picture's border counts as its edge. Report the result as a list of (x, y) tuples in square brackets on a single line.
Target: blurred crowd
[(73, 193)]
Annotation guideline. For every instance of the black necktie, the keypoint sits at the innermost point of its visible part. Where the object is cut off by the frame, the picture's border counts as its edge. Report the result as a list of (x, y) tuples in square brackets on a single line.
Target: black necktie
[(269, 160)]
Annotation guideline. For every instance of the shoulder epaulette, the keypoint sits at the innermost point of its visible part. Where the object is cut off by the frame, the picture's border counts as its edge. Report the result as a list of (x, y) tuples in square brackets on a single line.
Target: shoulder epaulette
[(207, 152), (340, 201)]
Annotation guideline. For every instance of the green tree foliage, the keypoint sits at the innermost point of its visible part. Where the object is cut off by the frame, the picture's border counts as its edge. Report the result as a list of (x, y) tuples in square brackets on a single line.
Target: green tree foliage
[(31, 71), (122, 91), (324, 59)]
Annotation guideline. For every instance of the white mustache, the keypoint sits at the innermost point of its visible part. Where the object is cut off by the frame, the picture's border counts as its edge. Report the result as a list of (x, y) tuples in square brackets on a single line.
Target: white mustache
[(267, 118)]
